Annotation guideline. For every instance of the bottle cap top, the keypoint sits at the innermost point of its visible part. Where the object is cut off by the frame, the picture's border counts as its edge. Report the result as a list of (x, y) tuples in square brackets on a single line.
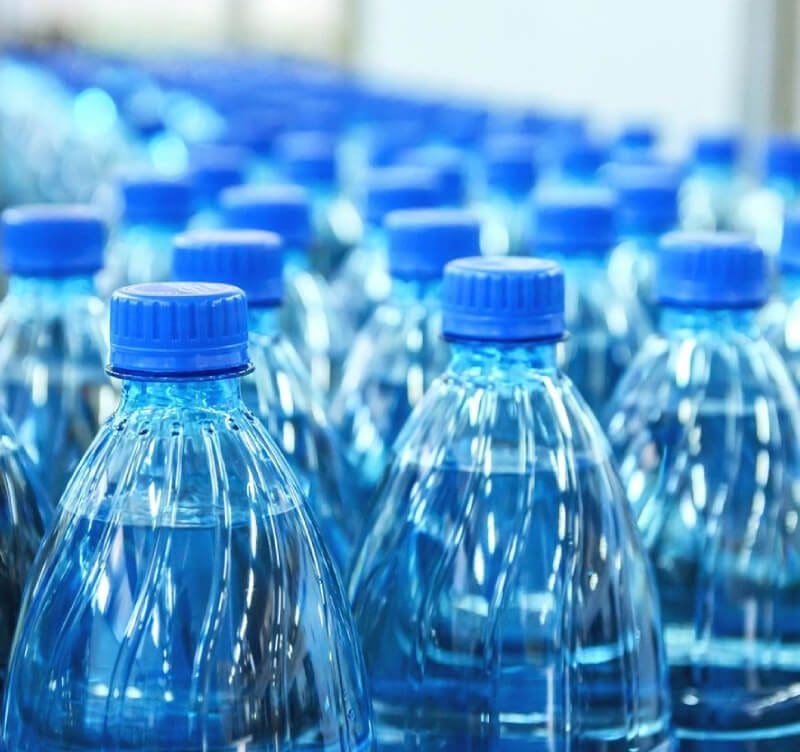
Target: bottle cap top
[(647, 197), (574, 221), (52, 240), (508, 299), (178, 329), (308, 157), (717, 149), (711, 270), (423, 241), (216, 168), (391, 188), (157, 199), (281, 208), (511, 164), (249, 259), (782, 159)]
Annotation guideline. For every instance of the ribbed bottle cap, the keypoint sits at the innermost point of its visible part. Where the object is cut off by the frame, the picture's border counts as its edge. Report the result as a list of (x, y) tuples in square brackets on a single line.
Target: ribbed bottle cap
[(390, 188), (574, 221), (157, 199), (51, 240), (782, 159), (790, 242), (511, 164), (509, 299), (281, 208), (249, 259), (449, 167), (711, 270), (647, 197), (178, 329), (215, 168), (308, 157), (423, 241), (716, 149)]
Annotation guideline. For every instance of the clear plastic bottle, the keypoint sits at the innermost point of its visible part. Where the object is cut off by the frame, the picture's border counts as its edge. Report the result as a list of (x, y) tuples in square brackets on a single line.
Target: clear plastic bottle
[(312, 321), (25, 513), (279, 391), (183, 599), (212, 170), (155, 208), (713, 186), (54, 336), (760, 210), (399, 351), (780, 318), (503, 595), (577, 228), (705, 427), (363, 282), (505, 205), (647, 209), (309, 158)]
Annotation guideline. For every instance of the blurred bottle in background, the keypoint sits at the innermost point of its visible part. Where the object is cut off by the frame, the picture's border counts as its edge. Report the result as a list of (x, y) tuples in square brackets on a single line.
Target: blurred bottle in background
[(212, 169), (309, 316), (54, 335), (705, 426), (647, 208), (760, 210), (155, 208), (503, 568), (636, 142), (279, 391), (399, 351), (309, 159), (577, 228), (504, 202), (713, 185), (183, 598), (363, 282)]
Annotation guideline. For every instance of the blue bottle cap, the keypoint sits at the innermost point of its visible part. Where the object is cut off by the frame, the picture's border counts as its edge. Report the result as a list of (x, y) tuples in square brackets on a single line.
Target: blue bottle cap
[(215, 168), (157, 199), (281, 208), (511, 164), (255, 128), (462, 123), (717, 149), (390, 188), (448, 166), (508, 299), (308, 157), (647, 197), (584, 158), (178, 329), (782, 159), (51, 240), (790, 242), (637, 136), (423, 241), (574, 221), (711, 270), (249, 259)]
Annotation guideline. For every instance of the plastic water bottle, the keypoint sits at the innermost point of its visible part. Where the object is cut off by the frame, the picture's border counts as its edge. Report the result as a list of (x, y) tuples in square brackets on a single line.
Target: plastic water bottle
[(310, 159), (183, 599), (760, 210), (53, 336), (576, 227), (636, 142), (502, 594), (154, 209), (705, 428), (319, 331), (713, 186), (25, 512), (280, 391), (213, 169), (509, 178), (647, 209), (451, 170), (399, 351), (363, 282), (780, 318)]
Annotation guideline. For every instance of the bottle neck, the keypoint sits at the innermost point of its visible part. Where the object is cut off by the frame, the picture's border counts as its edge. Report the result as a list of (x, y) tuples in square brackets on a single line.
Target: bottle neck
[(507, 359), (264, 321), (51, 288), (580, 266), (295, 259), (742, 320), (415, 290), (219, 392)]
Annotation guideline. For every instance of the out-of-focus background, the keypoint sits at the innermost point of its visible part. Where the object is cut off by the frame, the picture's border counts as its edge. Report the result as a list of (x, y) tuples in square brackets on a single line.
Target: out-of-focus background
[(688, 64)]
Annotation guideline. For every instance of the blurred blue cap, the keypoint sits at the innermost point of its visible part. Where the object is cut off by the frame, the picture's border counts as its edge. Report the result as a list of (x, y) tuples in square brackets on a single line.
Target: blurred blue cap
[(157, 199), (574, 221), (280, 208)]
